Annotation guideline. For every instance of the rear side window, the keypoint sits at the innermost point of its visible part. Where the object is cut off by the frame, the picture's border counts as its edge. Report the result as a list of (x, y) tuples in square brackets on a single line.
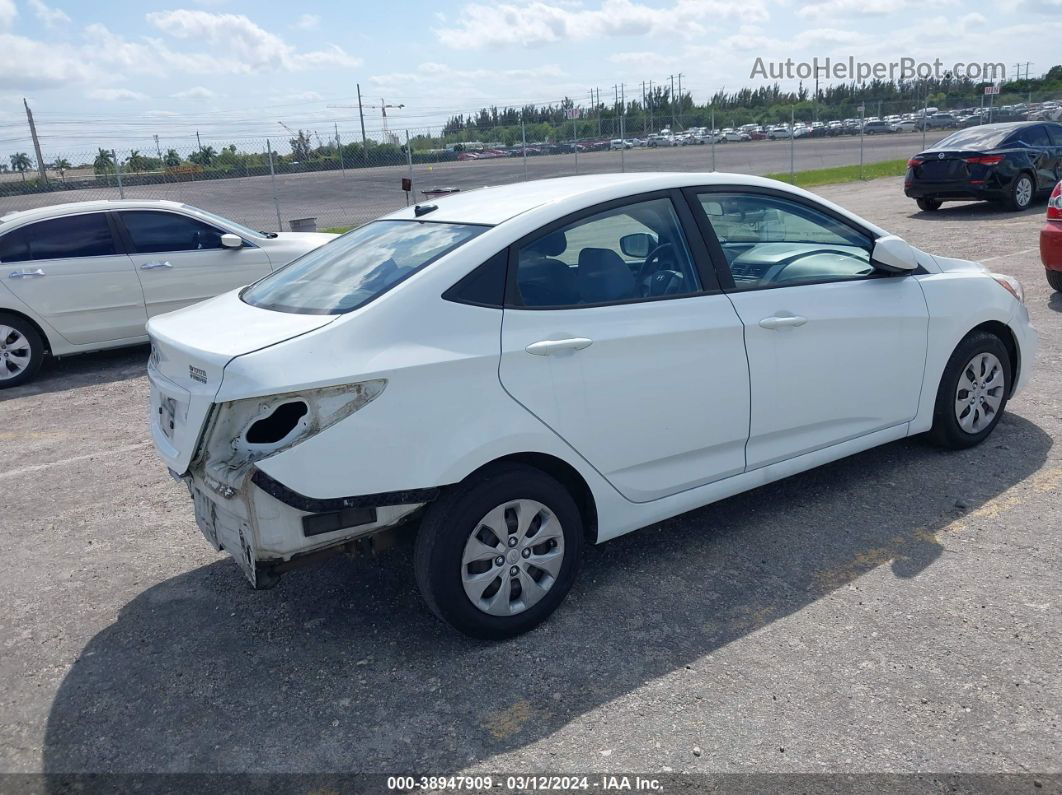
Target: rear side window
[(1033, 136), (59, 238), (14, 248), (987, 137), (352, 270), (152, 232)]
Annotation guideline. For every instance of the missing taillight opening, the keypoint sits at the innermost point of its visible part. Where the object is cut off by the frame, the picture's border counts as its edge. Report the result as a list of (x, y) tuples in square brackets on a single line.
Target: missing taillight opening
[(277, 425)]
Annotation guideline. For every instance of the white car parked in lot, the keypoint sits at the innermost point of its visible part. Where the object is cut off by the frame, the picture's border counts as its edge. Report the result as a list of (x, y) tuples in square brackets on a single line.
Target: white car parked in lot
[(87, 276), (533, 367)]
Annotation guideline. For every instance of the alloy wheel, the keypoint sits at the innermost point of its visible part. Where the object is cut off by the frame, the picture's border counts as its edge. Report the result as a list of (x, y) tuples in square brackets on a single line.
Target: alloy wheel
[(15, 353), (1023, 192), (979, 393), (512, 558)]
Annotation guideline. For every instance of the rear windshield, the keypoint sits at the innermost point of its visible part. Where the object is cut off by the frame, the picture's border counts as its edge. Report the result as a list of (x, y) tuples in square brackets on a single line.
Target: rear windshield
[(975, 138), (356, 268)]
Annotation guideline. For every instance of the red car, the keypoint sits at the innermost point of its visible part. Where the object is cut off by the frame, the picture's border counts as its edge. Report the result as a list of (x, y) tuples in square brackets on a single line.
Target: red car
[(1051, 239)]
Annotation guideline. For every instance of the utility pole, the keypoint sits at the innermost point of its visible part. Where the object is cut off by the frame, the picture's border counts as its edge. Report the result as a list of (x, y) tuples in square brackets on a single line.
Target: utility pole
[(199, 142), (672, 102), (361, 115), (652, 127), (158, 150), (339, 150), (36, 143)]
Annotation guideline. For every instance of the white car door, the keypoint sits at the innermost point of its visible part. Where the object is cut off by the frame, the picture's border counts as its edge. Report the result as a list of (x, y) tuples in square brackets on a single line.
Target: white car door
[(71, 272), (180, 259), (622, 354), (836, 349)]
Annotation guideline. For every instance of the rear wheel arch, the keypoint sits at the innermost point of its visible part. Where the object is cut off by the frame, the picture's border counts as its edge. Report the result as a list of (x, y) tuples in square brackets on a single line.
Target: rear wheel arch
[(561, 471), (37, 326)]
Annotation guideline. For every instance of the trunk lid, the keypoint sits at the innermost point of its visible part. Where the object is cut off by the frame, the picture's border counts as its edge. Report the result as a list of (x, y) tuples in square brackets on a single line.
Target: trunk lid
[(189, 351), (944, 166)]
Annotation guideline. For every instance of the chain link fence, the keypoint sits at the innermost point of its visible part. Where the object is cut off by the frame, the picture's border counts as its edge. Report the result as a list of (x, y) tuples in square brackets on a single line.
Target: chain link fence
[(302, 183)]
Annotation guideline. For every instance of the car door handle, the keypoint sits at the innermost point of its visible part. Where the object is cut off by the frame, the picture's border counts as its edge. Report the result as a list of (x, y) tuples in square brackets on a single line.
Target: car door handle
[(549, 347), (783, 321), (26, 274), (151, 266)]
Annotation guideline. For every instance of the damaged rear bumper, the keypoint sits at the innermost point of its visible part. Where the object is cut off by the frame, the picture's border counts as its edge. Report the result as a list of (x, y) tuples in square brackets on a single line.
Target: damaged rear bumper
[(266, 534)]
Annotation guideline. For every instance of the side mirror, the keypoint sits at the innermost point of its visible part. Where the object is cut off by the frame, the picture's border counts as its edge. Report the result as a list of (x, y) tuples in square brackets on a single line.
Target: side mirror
[(893, 254), (229, 240), (637, 245)]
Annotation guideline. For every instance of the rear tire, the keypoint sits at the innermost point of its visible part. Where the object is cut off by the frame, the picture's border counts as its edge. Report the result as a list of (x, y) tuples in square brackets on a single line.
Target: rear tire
[(515, 514), (1021, 193), (21, 350), (1054, 278), (973, 392), (928, 205)]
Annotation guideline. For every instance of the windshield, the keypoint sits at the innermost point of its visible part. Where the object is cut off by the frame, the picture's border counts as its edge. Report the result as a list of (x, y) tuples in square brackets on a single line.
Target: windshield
[(354, 269), (239, 229), (987, 137)]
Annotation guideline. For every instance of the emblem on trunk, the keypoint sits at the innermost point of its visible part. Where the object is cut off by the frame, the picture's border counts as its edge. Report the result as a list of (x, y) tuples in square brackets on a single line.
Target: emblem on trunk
[(940, 155), (197, 374)]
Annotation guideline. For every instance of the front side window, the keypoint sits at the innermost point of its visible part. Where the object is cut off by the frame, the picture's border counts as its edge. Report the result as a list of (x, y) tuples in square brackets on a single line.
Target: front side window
[(636, 251), (352, 270), (775, 242), (152, 232), (59, 238)]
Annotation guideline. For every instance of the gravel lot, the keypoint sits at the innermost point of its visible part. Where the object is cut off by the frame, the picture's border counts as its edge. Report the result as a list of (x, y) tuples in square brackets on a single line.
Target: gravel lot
[(898, 611), (358, 195)]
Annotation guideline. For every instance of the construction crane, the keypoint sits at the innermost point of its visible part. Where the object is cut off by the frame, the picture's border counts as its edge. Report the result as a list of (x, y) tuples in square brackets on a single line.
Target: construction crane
[(383, 106)]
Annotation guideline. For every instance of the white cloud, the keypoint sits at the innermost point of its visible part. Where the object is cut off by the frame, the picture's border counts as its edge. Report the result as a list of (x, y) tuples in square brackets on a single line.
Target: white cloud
[(195, 92), (308, 22), (538, 23), (846, 8), (48, 15), (436, 72), (27, 64), (116, 95), (245, 42), (8, 12)]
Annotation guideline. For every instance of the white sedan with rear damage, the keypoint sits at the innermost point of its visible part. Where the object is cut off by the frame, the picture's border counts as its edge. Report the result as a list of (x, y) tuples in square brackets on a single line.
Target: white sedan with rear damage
[(529, 368)]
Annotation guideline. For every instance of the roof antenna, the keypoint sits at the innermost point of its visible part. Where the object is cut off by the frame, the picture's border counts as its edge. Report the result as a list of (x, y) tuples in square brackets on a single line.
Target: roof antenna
[(423, 209)]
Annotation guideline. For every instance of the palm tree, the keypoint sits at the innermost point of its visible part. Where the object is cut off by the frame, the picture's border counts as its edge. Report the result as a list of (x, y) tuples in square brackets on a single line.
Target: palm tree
[(172, 159), (61, 164), (204, 157), (21, 163), (136, 161), (104, 162)]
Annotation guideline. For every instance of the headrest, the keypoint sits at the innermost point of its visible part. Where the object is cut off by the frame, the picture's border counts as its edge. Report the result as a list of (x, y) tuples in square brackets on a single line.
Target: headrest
[(551, 245), (603, 276)]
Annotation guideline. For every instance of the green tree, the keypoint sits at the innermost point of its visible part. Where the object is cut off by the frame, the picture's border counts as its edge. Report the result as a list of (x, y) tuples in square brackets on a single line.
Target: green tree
[(203, 157), (136, 162), (21, 163), (104, 162), (62, 165), (300, 147), (171, 159)]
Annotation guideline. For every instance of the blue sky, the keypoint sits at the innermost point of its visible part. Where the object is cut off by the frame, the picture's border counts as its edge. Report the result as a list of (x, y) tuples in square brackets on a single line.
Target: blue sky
[(114, 73)]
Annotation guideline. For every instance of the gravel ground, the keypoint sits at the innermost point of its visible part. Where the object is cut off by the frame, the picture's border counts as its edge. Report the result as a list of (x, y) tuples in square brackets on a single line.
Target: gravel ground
[(897, 611)]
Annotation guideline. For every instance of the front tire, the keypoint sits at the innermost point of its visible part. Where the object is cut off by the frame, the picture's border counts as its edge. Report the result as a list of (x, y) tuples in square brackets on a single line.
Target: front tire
[(496, 554), (973, 392), (928, 205), (21, 350), (1054, 278), (1021, 192)]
